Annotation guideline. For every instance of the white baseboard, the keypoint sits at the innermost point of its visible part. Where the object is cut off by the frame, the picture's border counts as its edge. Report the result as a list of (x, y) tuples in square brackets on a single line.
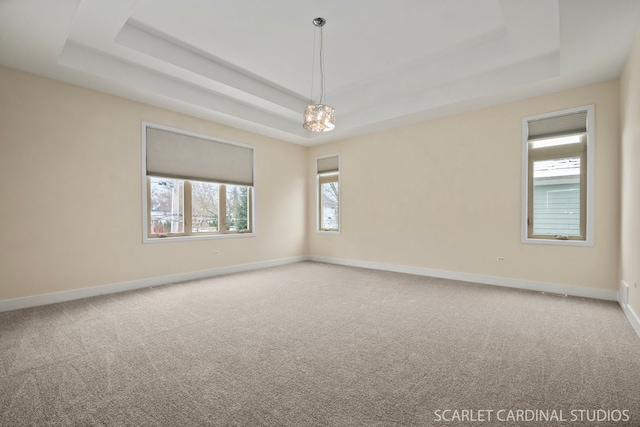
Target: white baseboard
[(477, 278), (632, 317), (626, 308), (51, 298)]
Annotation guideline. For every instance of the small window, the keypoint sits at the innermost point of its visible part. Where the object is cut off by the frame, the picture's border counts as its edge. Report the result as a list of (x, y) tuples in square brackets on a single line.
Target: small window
[(328, 180), (557, 177), (195, 186)]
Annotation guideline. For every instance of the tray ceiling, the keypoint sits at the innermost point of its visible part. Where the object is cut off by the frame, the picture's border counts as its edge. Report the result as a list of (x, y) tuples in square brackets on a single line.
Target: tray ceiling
[(249, 63)]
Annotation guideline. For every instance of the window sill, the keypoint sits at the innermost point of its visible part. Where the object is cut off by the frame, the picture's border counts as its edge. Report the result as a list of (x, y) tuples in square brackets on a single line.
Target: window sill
[(554, 242), (146, 239), (327, 231)]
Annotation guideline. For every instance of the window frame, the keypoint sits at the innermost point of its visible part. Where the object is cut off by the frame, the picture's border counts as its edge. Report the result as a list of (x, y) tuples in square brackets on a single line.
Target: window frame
[(148, 237), (586, 179), (319, 181)]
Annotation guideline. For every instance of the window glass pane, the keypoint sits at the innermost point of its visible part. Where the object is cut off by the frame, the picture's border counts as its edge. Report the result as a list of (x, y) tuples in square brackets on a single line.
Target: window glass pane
[(329, 209), (237, 208), (204, 207), (167, 205), (554, 142), (556, 197)]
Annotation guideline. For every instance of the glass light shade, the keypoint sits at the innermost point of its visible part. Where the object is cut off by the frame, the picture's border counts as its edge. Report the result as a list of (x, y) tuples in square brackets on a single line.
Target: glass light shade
[(319, 118)]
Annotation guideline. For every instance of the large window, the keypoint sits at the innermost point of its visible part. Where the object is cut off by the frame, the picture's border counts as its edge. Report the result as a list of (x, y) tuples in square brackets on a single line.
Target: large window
[(558, 177), (328, 181), (195, 186)]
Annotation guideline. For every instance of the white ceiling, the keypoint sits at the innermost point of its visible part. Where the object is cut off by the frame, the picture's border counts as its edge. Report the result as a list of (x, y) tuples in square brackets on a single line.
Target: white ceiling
[(249, 63)]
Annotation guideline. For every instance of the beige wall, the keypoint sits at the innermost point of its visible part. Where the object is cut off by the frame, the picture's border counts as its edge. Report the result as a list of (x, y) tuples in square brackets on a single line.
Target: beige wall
[(446, 194), (630, 173), (443, 194), (70, 191)]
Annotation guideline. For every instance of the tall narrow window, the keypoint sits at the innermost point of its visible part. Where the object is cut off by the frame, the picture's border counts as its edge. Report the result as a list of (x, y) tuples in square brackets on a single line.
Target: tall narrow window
[(557, 177), (166, 202), (237, 208), (195, 186), (328, 177), (205, 207)]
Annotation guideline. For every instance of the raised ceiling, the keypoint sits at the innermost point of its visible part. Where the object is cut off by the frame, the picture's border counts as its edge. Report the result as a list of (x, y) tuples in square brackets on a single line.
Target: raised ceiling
[(249, 63)]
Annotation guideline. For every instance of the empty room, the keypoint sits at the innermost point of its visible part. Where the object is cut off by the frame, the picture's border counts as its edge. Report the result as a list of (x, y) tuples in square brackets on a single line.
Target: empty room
[(338, 213)]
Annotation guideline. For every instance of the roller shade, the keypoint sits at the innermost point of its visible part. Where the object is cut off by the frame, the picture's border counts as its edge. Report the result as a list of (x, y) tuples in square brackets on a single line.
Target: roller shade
[(328, 164), (175, 155), (558, 125)]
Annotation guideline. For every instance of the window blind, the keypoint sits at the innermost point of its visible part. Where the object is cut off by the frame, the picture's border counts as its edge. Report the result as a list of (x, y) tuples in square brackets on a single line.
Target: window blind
[(175, 155), (328, 164), (558, 125)]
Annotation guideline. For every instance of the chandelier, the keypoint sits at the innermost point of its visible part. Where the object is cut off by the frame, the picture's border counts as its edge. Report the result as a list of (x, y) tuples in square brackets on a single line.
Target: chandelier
[(319, 117)]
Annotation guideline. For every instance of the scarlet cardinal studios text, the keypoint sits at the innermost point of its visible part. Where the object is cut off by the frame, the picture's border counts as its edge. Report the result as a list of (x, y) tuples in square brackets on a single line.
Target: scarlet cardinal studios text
[(532, 415)]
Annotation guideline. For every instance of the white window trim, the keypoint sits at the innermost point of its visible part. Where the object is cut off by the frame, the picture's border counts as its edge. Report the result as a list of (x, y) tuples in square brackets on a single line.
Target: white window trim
[(145, 213), (317, 184), (589, 240)]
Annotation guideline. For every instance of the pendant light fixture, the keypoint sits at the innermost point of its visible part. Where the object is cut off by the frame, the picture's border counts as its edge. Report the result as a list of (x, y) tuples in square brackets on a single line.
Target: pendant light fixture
[(319, 117)]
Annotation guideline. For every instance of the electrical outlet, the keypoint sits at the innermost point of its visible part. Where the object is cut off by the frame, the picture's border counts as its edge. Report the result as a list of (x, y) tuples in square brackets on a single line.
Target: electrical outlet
[(500, 258)]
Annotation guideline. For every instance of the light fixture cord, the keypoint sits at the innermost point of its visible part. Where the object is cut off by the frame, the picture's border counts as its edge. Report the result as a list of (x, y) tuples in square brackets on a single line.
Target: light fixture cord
[(313, 66), (321, 66)]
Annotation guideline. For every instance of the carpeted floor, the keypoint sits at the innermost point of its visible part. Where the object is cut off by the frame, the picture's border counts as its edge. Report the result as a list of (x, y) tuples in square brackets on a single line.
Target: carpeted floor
[(311, 344)]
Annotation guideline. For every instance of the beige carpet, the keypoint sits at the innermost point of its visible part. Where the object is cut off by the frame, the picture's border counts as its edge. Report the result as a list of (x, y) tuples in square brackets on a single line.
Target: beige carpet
[(311, 344)]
